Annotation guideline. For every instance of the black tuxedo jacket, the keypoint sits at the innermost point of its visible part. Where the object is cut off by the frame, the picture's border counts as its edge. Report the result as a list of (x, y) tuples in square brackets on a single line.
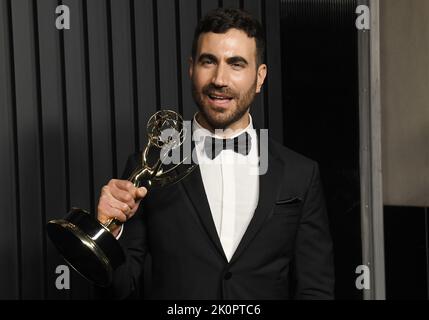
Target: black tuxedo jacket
[(286, 251)]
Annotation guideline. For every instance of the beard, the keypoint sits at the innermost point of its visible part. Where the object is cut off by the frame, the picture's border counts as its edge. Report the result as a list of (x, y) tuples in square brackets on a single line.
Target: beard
[(221, 118)]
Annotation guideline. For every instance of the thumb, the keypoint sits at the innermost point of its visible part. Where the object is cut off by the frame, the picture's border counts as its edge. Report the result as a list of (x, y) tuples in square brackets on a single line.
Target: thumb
[(141, 192)]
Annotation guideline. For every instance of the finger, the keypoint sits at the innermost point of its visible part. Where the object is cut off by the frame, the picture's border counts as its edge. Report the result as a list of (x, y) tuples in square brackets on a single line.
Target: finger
[(114, 203), (109, 200), (106, 213), (123, 185), (123, 196)]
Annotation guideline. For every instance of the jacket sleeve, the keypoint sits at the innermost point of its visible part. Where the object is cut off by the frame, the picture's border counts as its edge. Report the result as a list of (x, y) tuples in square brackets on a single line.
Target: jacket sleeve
[(314, 267), (128, 277)]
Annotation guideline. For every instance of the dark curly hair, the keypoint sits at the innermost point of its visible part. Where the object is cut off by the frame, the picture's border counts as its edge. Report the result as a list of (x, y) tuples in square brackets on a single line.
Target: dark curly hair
[(221, 20)]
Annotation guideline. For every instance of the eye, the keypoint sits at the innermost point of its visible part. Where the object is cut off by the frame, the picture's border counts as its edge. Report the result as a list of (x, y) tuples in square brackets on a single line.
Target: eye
[(237, 66), (207, 62)]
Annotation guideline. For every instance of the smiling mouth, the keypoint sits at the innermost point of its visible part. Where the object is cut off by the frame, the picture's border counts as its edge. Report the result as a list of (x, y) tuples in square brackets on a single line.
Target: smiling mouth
[(219, 97)]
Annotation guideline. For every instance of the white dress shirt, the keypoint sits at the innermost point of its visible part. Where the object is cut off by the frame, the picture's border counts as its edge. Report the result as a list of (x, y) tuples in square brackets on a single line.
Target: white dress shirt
[(231, 185)]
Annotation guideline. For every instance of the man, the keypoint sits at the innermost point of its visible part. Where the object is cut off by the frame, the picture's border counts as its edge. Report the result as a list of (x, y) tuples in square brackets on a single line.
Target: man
[(224, 232)]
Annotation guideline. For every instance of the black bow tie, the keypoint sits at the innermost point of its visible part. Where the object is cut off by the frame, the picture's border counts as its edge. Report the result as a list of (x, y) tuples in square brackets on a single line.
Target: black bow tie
[(240, 144)]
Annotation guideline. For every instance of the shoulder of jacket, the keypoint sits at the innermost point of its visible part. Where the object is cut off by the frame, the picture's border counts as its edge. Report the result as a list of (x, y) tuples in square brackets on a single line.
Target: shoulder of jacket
[(291, 157)]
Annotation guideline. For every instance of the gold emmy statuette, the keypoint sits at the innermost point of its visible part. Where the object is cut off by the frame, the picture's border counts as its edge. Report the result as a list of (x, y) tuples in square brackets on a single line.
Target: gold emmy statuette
[(87, 244)]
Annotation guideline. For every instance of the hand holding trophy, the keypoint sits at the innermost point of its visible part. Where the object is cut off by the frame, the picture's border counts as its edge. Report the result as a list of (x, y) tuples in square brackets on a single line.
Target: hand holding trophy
[(120, 200), (89, 245)]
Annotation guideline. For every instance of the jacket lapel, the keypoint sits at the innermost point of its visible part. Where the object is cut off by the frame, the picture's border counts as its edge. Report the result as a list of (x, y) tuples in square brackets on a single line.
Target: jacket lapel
[(194, 189)]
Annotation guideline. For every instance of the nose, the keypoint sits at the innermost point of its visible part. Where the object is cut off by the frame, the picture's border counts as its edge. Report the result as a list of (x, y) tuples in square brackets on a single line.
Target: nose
[(220, 76)]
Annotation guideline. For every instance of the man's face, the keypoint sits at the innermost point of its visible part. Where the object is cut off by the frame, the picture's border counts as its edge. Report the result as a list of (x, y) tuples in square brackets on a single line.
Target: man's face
[(225, 77)]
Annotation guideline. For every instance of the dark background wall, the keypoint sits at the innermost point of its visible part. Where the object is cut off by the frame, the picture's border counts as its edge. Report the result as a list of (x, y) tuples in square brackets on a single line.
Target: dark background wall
[(321, 116), (74, 105)]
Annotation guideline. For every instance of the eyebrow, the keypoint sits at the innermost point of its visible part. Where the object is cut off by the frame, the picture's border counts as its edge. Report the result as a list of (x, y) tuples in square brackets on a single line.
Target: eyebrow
[(231, 60), (207, 56), (237, 59)]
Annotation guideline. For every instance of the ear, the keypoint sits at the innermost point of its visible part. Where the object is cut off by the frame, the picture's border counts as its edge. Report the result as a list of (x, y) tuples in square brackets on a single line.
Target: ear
[(191, 67), (262, 74)]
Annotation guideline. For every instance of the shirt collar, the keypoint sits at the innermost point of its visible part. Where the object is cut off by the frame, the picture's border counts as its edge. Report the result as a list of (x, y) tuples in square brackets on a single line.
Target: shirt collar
[(199, 132)]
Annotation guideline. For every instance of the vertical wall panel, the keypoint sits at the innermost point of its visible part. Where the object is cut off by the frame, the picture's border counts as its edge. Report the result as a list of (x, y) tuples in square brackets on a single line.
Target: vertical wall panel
[(188, 21), (168, 71), (53, 132), (254, 7), (100, 94), (9, 246), (29, 150), (77, 122), (404, 50), (257, 109), (274, 107), (145, 64), (123, 77), (231, 3), (207, 5)]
